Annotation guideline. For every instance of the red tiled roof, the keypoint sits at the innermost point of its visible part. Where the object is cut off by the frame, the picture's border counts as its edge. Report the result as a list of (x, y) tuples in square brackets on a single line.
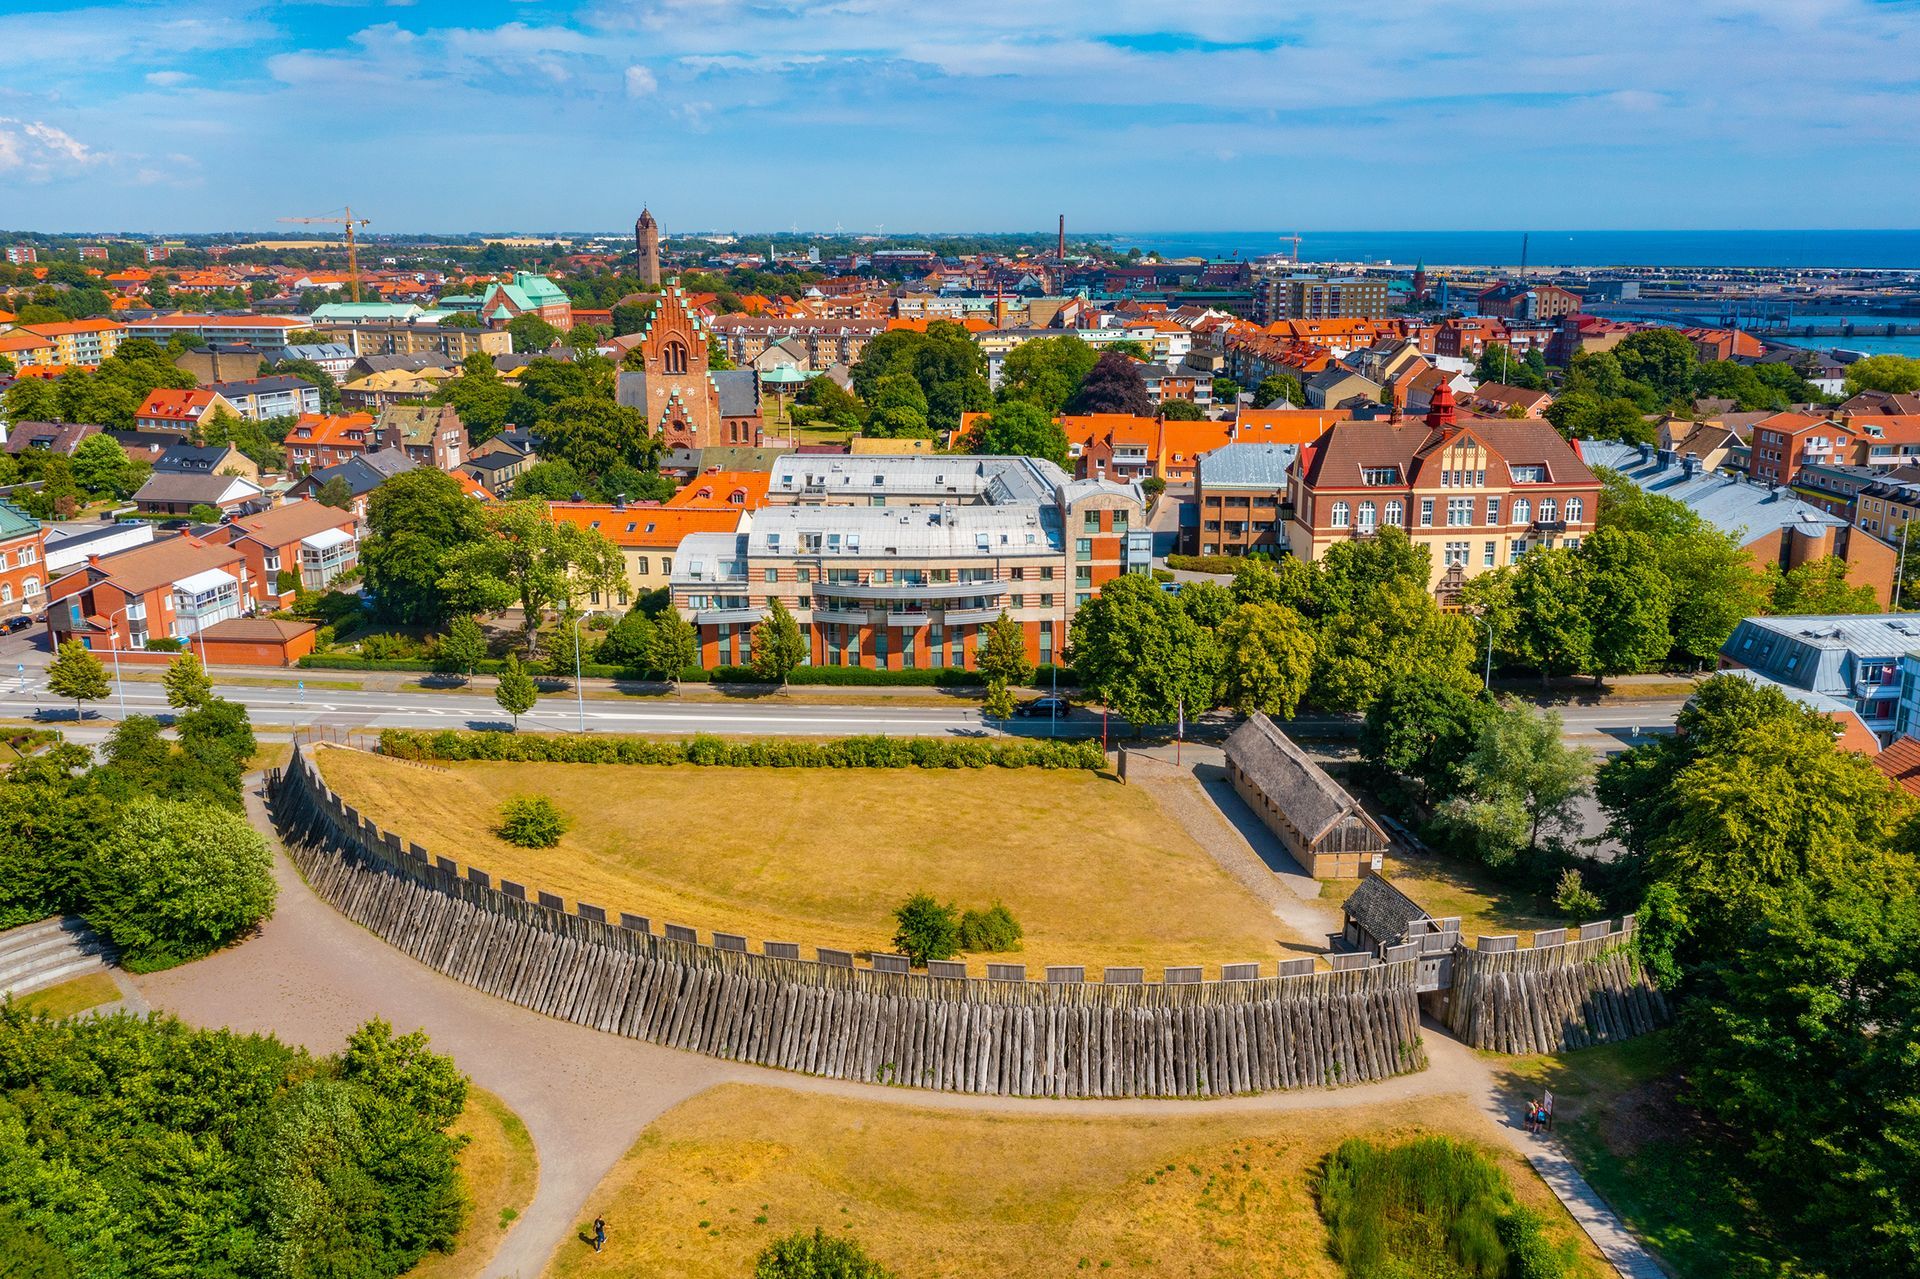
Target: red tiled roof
[(1901, 764)]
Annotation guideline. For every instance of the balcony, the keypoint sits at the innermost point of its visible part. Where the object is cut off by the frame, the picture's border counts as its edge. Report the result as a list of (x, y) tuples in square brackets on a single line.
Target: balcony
[(909, 618), (1547, 526), (911, 590), (970, 616), (726, 616)]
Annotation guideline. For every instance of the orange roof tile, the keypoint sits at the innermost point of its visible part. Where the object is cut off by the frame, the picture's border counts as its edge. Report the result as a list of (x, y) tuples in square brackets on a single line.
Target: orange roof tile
[(739, 490), (338, 429), (1284, 426), (1122, 428), (1901, 764), (654, 527), (170, 404)]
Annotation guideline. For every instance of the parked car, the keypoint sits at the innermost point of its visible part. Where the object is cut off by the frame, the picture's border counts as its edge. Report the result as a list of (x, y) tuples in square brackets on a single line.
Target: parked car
[(17, 624), (1044, 708)]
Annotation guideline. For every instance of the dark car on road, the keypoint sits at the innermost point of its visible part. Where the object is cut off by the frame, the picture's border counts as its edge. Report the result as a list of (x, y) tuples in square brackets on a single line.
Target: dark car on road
[(16, 624), (1044, 707)]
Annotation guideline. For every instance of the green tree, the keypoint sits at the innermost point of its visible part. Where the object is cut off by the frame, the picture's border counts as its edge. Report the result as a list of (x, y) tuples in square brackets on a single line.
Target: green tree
[(778, 645), (1279, 388), (416, 523), (1553, 629), (481, 397), (335, 492), (101, 467), (1580, 415), (836, 405), (1045, 372), (1819, 587), (925, 929), (187, 685), (1181, 411), (516, 692), (1518, 782), (1003, 655), (1662, 359), (1352, 570), (527, 557), (999, 701), (532, 821), (1713, 582), (1395, 628), (945, 361), (816, 1256), (1423, 727), (461, 320), (595, 435), (174, 881), (562, 648), (1266, 659), (1498, 364), (1899, 374), (531, 333), (1019, 429), (629, 643), (1225, 391), (1143, 656), (1207, 603), (464, 645), (1292, 582), (675, 646), (77, 674), (1628, 600)]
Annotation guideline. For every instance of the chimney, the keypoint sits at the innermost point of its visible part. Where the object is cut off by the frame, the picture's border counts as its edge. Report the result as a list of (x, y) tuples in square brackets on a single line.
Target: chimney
[(1062, 253), (1646, 454), (1666, 458), (1690, 466)]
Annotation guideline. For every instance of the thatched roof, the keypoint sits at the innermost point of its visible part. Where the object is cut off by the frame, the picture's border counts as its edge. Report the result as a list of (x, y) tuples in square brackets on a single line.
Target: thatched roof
[(1312, 801), (1383, 911)]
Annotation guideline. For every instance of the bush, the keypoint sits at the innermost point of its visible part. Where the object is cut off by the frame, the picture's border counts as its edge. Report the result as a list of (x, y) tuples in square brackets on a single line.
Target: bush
[(1207, 563), (816, 1256), (174, 881), (1530, 1255), (386, 647), (926, 930), (532, 821), (1429, 1207), (163, 644), (989, 931), (1574, 898), (715, 752)]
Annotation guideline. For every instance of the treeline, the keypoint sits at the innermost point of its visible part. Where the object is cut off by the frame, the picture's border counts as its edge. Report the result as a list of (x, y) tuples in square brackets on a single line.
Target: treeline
[(149, 846), (146, 1147)]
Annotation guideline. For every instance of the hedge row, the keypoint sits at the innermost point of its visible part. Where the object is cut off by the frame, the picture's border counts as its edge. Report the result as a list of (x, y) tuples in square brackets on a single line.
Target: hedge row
[(805, 676), (1226, 564), (706, 750)]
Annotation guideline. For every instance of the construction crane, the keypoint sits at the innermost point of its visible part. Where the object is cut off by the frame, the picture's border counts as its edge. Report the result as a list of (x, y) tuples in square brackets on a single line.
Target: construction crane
[(353, 253)]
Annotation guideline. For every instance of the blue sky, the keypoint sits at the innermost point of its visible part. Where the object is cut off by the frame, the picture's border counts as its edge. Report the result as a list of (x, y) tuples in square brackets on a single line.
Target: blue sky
[(969, 114)]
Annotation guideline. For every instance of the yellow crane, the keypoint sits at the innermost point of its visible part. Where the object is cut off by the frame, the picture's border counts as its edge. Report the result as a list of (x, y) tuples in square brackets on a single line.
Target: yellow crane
[(353, 254)]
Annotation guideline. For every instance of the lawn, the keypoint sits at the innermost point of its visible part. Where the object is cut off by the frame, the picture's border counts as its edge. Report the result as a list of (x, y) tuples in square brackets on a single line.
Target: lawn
[(1448, 886), (1094, 871), (1667, 1174), (954, 1194), (70, 997), (498, 1172)]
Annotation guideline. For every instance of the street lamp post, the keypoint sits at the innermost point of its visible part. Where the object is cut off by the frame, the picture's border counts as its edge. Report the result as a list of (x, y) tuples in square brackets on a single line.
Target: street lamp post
[(579, 693), (113, 638), (1486, 680)]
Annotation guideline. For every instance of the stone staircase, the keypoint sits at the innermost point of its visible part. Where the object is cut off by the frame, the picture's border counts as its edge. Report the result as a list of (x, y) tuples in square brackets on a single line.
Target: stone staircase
[(34, 956)]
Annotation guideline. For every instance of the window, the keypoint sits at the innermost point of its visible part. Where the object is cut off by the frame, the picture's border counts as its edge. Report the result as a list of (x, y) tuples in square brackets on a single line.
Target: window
[(1395, 512), (32, 587), (1379, 476), (1486, 560), (1522, 511), (1549, 510), (1493, 510), (1426, 512), (1083, 548), (1340, 511), (1575, 509), (1516, 549), (1456, 554), (1459, 511), (1368, 512), (1091, 521), (770, 575), (674, 358)]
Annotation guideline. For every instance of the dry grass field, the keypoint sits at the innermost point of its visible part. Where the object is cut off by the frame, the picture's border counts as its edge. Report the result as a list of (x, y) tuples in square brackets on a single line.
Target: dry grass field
[(498, 1172), (1094, 871), (1448, 886), (944, 1194), (70, 997)]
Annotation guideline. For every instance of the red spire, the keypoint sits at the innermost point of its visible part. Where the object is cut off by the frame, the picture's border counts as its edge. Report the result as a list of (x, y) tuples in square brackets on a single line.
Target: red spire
[(1440, 410)]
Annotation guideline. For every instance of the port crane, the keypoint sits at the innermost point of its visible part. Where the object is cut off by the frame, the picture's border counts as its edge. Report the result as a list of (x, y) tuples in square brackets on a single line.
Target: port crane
[(351, 223)]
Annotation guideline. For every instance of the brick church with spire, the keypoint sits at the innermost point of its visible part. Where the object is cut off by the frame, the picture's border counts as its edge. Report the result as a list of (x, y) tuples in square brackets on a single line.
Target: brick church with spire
[(687, 403)]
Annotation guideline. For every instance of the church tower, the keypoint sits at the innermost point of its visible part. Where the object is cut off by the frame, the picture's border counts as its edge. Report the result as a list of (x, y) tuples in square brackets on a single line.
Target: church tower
[(646, 244)]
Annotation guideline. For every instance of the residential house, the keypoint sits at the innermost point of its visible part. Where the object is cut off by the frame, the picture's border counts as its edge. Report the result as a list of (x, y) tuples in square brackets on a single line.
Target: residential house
[(82, 343), (269, 333), (1241, 495), (25, 349), (1879, 402), (1854, 658), (1497, 400), (208, 459), (1284, 426), (723, 490), (1521, 300), (1784, 442), (1884, 440), (300, 545), (1324, 828), (1339, 387), (372, 339), (166, 408), (319, 440), (48, 437), (172, 588), (648, 537), (69, 545), (221, 362), (432, 435), (1184, 443), (379, 391), (497, 467), (331, 358), (1725, 344), (361, 473), (1479, 492), (278, 395), (179, 492), (22, 562)]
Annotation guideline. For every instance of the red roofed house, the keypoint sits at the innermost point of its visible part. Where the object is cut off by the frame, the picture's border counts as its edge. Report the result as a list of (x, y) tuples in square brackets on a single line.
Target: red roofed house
[(1498, 400), (168, 409), (318, 439), (313, 542), (1480, 492), (1785, 442), (171, 588)]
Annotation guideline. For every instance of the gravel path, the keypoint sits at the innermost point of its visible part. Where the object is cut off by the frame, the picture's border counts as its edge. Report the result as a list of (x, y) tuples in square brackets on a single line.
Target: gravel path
[(311, 977)]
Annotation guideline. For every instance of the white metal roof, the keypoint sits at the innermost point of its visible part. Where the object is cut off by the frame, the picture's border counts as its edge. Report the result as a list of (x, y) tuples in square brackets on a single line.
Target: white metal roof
[(205, 580), (326, 539)]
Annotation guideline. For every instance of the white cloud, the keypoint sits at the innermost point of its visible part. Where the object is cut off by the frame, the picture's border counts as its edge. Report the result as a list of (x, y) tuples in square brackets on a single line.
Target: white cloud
[(641, 83), (37, 151), (167, 79)]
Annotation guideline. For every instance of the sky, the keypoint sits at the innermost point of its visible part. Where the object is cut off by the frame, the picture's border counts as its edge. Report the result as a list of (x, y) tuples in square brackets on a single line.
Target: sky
[(550, 115)]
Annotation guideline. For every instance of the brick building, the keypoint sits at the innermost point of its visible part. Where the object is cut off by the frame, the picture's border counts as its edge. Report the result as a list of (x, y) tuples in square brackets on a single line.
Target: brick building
[(684, 401), (1241, 495)]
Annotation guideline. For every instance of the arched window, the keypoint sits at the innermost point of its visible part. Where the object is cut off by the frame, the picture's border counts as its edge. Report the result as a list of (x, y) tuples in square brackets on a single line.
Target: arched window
[(1367, 513), (1340, 511), (1522, 511), (33, 587), (1575, 509), (1549, 509), (674, 358), (1394, 512)]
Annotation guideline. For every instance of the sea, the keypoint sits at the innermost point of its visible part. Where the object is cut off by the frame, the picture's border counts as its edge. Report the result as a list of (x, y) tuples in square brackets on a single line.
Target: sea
[(1895, 250)]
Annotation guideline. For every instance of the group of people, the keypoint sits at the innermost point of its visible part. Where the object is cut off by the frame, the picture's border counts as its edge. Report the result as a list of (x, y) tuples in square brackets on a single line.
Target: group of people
[(1540, 1113)]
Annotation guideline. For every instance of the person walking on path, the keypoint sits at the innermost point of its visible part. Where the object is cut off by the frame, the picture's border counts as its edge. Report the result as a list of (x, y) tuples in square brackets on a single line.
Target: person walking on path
[(599, 1233)]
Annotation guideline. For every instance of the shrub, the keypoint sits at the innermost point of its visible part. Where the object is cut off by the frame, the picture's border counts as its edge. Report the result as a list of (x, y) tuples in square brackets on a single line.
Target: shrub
[(163, 644), (990, 931), (1530, 1255), (385, 647), (817, 1256), (716, 752), (1574, 898), (532, 821), (1206, 563), (926, 930)]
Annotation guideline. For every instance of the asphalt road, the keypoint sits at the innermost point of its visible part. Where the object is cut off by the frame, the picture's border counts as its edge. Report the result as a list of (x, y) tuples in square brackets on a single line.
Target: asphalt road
[(286, 707)]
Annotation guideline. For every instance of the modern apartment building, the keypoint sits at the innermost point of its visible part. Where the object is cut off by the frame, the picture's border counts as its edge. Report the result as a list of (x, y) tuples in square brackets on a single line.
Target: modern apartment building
[(409, 337), (267, 332), (900, 561), (82, 342), (1241, 493), (1319, 297), (1481, 492)]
